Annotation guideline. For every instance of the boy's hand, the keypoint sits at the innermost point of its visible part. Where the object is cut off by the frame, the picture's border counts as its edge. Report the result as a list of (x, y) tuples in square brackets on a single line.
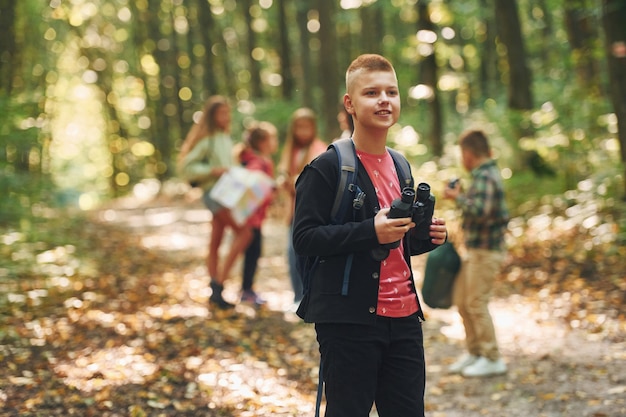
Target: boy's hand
[(391, 230), (438, 231), (452, 193)]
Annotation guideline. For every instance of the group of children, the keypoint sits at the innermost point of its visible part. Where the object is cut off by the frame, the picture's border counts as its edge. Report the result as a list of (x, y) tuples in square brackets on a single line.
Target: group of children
[(207, 153), (366, 311)]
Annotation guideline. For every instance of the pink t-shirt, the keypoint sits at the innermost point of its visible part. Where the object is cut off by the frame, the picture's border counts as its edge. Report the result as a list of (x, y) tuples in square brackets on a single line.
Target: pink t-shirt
[(395, 298)]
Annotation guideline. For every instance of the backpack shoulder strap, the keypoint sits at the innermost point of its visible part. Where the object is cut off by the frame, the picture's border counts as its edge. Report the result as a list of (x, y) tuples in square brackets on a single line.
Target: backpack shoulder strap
[(348, 168), (346, 187), (404, 168)]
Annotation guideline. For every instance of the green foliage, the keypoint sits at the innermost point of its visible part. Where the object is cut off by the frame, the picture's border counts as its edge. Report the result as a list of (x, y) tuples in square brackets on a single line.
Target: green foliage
[(120, 88), (38, 232), (24, 186), (525, 191)]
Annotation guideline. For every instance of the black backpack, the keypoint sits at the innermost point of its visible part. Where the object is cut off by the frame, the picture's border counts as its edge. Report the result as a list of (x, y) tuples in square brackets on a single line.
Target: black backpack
[(348, 195)]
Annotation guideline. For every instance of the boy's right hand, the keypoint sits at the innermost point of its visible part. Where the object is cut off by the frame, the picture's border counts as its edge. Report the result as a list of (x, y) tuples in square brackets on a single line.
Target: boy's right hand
[(391, 230), (451, 193)]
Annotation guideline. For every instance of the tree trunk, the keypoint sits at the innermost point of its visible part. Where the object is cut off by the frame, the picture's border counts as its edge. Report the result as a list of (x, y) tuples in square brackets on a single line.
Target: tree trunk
[(206, 25), (509, 29), (488, 71), (306, 73), (328, 69), (372, 28), (166, 104), (153, 110), (582, 33), (253, 65), (430, 77), (8, 47), (285, 51), (614, 16)]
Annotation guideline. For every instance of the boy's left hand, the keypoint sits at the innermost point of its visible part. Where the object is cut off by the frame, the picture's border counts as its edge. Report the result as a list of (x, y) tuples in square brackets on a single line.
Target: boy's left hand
[(438, 231)]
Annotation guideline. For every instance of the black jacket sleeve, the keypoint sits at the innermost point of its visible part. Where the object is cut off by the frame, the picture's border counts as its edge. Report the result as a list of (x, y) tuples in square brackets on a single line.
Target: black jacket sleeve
[(313, 233)]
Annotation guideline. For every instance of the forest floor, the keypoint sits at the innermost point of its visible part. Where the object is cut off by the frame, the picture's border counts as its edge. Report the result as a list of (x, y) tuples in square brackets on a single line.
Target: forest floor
[(118, 324)]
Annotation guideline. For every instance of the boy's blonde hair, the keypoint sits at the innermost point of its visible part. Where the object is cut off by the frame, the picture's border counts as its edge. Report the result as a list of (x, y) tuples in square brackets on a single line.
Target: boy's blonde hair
[(367, 63)]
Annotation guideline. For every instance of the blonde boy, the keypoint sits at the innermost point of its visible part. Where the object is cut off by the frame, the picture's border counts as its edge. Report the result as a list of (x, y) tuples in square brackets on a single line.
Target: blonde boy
[(366, 312)]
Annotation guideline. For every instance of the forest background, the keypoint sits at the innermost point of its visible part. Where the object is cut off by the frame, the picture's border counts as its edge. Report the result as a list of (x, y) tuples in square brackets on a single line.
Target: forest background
[(96, 97)]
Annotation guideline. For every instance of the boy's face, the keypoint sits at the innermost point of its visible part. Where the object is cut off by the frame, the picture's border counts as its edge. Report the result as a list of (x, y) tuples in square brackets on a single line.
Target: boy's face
[(468, 158), (373, 98)]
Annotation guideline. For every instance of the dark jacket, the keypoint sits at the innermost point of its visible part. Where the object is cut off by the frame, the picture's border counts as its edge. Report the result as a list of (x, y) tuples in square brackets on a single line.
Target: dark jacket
[(314, 235)]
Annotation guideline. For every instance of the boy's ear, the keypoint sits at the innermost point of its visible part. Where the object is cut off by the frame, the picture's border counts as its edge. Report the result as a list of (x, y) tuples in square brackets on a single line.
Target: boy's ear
[(347, 103)]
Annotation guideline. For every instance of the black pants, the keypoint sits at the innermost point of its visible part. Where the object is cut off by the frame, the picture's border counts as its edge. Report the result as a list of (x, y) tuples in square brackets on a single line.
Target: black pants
[(383, 364), (251, 259)]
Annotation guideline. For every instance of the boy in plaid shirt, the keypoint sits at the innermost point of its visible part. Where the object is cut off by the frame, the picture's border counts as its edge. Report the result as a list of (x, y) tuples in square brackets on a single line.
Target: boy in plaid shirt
[(485, 218)]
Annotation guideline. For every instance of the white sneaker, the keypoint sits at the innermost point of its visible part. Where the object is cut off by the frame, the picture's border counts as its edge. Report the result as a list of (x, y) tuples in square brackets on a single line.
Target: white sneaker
[(461, 363), (484, 367)]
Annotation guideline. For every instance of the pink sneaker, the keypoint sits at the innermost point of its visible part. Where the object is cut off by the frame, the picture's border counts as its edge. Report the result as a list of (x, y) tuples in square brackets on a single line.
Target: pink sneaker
[(250, 296)]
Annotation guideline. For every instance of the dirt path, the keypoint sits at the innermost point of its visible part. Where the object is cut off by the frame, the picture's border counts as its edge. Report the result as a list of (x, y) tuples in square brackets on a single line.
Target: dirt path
[(144, 310), (554, 370)]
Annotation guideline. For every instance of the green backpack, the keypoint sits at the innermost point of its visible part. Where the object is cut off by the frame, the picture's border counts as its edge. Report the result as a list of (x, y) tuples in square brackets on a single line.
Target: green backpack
[(442, 267)]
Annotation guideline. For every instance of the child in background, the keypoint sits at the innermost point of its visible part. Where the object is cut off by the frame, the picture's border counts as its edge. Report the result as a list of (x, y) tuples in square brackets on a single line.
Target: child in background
[(206, 154), (485, 218), (346, 124), (261, 144), (302, 145)]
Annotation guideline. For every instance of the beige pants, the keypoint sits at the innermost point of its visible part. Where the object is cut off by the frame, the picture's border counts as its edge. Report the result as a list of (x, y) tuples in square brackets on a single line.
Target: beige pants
[(471, 293)]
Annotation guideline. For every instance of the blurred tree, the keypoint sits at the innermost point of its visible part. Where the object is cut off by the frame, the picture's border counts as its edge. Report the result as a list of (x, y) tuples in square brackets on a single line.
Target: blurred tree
[(8, 46), (307, 78), (488, 63), (253, 63), (614, 16), (206, 30), (582, 33), (328, 69), (229, 52), (429, 75), (22, 83), (372, 27), (286, 70), (542, 16), (157, 132), (519, 77), (161, 45)]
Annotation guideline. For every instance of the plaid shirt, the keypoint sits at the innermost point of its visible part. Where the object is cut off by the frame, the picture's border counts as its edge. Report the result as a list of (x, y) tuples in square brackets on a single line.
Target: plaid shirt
[(485, 215)]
